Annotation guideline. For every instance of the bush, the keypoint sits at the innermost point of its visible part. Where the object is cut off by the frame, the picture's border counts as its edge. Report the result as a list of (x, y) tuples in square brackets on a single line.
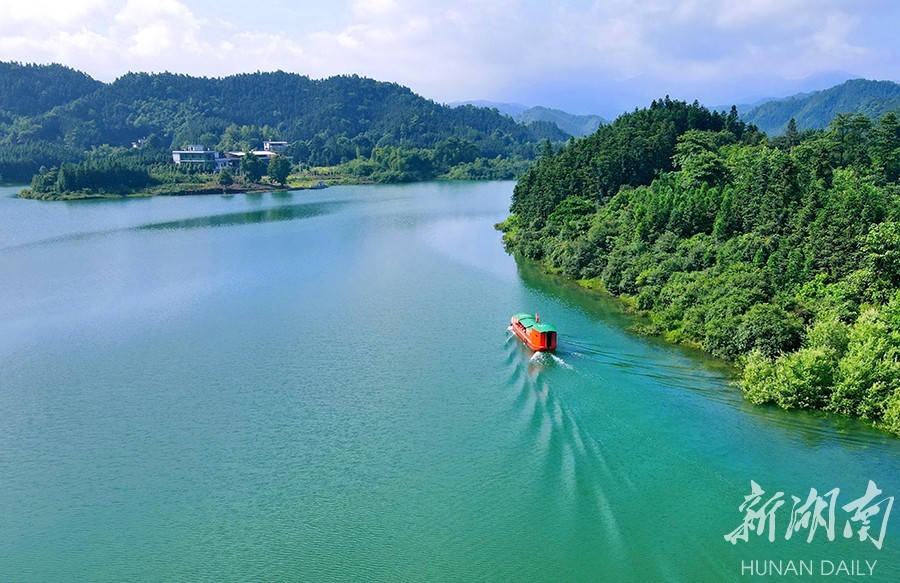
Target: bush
[(804, 378), (800, 379), (758, 379), (769, 329), (892, 413), (863, 366)]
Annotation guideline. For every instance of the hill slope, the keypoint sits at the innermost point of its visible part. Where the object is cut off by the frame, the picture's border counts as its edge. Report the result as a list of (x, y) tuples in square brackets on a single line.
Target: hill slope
[(34, 89), (328, 121), (816, 110)]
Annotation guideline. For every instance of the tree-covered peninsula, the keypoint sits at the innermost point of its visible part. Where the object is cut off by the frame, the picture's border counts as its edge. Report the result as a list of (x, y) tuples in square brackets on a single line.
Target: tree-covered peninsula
[(128, 173), (782, 255)]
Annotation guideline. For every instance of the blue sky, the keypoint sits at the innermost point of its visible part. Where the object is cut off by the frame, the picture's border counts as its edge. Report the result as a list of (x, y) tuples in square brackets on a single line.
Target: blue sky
[(582, 56)]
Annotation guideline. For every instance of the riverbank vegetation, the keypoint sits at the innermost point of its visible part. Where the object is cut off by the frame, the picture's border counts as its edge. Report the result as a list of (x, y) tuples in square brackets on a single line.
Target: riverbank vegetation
[(781, 255), (110, 174), (450, 159)]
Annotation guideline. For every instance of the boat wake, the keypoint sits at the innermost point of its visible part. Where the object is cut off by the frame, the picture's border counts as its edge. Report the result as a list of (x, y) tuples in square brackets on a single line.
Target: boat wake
[(562, 362), (562, 451), (581, 463)]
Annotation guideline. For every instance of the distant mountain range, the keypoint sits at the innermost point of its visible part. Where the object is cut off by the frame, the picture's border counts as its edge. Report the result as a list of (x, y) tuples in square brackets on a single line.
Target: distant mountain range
[(816, 110), (576, 125), (810, 110), (572, 124)]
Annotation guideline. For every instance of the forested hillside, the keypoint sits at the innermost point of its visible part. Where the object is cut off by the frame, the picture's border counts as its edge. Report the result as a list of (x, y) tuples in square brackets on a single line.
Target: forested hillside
[(34, 89), (781, 255), (327, 121), (816, 110)]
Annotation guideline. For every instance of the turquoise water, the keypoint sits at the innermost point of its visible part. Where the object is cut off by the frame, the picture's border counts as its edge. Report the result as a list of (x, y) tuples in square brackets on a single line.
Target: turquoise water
[(320, 385)]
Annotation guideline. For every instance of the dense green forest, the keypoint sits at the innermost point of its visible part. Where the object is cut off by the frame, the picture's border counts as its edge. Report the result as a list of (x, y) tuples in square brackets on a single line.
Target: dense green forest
[(36, 89), (50, 115), (782, 255), (813, 111)]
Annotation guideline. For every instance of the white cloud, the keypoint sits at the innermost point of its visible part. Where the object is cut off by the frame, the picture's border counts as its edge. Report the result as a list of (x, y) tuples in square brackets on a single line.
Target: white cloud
[(751, 12), (58, 12), (460, 49), (366, 8), (162, 28)]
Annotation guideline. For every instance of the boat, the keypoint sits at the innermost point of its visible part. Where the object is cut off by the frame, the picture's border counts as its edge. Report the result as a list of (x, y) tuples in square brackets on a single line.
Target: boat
[(537, 335)]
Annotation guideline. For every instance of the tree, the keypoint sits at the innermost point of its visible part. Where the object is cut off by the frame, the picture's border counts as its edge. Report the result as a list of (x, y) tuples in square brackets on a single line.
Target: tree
[(783, 255), (251, 167), (698, 157), (769, 329), (882, 252), (152, 142), (225, 179), (886, 147), (279, 169), (792, 137), (849, 133)]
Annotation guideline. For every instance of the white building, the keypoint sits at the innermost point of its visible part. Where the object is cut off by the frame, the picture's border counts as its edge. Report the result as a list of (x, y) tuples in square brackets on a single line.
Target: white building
[(197, 154), (264, 155), (275, 147)]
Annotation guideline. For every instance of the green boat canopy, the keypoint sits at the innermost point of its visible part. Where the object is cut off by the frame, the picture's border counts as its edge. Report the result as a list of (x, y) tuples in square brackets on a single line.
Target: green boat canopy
[(528, 321)]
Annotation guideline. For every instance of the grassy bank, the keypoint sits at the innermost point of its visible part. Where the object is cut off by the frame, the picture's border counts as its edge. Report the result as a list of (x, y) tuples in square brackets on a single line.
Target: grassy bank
[(167, 189)]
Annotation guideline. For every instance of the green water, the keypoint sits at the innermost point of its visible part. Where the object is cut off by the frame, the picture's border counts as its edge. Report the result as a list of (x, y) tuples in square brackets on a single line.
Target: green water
[(320, 385)]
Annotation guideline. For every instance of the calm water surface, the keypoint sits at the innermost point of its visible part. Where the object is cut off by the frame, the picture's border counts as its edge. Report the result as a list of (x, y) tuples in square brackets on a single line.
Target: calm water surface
[(320, 385)]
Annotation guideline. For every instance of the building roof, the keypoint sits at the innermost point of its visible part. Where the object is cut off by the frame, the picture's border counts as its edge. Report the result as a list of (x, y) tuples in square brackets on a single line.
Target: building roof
[(528, 321), (256, 153)]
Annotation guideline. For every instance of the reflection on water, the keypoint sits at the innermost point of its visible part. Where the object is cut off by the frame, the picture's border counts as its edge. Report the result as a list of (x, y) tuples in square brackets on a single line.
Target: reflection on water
[(269, 215), (279, 213)]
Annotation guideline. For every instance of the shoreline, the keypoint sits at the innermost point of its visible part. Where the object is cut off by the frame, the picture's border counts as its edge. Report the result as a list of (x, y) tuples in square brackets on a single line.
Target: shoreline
[(643, 326), (171, 190), (297, 182)]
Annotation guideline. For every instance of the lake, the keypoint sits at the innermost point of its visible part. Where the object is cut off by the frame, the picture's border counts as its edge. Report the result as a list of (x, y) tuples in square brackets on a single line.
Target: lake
[(320, 385)]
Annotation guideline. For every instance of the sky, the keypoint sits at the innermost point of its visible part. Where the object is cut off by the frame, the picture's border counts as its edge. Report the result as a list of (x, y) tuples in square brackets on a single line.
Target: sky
[(602, 57)]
